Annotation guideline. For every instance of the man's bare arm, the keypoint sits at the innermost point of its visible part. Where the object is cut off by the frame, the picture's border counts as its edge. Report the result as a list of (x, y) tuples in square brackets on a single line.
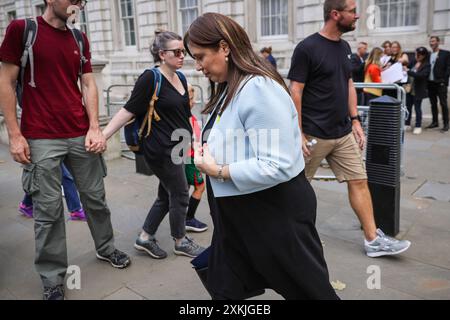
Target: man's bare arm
[(95, 141), (353, 111), (18, 145), (296, 89)]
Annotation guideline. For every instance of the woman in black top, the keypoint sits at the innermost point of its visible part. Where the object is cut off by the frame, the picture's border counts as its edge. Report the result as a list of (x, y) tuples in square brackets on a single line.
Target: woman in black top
[(172, 108), (420, 73)]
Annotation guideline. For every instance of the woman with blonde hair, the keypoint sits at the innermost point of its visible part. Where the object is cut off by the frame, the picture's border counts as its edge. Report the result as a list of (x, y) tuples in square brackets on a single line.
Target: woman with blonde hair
[(397, 54), (262, 205), (372, 74)]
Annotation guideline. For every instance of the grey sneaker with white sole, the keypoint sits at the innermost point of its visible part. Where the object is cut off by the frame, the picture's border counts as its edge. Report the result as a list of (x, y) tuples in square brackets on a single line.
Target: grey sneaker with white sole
[(385, 246), (151, 247), (188, 248)]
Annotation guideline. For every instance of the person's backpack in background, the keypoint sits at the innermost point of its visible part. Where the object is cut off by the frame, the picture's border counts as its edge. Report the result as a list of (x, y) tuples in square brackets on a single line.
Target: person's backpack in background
[(29, 38), (139, 127)]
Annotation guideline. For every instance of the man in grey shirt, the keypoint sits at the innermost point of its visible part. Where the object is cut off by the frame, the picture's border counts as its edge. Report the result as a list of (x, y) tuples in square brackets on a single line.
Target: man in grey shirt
[(438, 83)]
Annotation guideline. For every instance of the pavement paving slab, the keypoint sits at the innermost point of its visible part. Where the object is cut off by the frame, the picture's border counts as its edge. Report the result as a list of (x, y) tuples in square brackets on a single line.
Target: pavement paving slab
[(422, 272)]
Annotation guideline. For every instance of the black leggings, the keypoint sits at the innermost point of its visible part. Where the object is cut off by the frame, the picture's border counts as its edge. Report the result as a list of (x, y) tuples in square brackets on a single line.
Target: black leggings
[(173, 197)]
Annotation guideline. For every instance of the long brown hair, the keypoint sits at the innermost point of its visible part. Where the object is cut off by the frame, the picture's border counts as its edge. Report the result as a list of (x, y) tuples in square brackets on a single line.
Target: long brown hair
[(374, 58), (208, 31)]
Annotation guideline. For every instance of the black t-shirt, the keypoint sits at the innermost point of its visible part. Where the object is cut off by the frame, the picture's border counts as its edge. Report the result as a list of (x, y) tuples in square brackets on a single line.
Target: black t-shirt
[(171, 106), (324, 67)]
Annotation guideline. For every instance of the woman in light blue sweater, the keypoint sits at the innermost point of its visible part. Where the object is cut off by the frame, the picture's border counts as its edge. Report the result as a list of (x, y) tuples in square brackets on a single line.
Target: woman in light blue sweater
[(263, 207)]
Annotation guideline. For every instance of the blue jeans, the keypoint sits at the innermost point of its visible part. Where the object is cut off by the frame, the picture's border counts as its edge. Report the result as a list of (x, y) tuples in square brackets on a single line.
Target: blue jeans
[(417, 108), (70, 192)]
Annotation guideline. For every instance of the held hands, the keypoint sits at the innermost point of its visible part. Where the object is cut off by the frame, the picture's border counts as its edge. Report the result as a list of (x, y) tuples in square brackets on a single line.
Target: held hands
[(204, 161), (19, 149), (358, 132), (95, 141)]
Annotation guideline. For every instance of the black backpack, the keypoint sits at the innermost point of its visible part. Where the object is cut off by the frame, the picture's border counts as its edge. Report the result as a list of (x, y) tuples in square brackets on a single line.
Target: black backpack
[(29, 38)]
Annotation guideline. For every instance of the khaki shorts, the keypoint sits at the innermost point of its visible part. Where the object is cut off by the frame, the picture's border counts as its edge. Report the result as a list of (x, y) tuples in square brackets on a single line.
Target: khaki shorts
[(343, 155)]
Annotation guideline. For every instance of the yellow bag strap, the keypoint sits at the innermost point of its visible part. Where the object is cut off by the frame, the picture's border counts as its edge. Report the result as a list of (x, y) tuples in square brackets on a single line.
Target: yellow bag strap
[(148, 117)]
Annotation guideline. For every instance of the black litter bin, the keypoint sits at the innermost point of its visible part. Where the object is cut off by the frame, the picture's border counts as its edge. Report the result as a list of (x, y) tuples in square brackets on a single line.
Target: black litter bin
[(383, 161)]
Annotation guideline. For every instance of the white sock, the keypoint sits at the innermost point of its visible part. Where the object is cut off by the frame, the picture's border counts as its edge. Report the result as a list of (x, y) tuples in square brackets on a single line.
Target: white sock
[(144, 236), (366, 242)]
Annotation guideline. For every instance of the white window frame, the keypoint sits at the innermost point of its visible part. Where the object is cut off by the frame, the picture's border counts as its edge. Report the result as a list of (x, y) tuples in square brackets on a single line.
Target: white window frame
[(180, 16), (122, 27), (400, 29), (84, 23), (271, 37)]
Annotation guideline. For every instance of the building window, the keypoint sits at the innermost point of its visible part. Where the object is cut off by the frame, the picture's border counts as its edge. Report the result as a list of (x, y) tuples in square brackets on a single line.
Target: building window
[(398, 13), (12, 15), (274, 17), (84, 21), (189, 12), (127, 17)]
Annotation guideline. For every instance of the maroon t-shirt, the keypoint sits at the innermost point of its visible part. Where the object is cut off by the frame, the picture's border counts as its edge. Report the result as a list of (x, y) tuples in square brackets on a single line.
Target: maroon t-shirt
[(54, 109)]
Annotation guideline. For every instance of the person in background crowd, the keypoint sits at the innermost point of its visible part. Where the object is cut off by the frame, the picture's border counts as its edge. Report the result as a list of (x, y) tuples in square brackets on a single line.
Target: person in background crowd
[(267, 54), (358, 65), (194, 176), (420, 74), (386, 57), (70, 193), (438, 83), (372, 74), (397, 54)]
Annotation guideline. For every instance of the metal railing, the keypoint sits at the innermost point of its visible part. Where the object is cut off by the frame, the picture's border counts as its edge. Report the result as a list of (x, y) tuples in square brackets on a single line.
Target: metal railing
[(364, 114)]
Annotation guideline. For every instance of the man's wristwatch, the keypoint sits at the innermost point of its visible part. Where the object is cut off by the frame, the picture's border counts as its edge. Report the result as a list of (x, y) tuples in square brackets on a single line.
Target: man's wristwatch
[(220, 176), (357, 117)]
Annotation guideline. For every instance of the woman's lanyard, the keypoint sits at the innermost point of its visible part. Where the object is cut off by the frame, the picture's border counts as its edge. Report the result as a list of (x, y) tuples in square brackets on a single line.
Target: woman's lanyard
[(219, 106)]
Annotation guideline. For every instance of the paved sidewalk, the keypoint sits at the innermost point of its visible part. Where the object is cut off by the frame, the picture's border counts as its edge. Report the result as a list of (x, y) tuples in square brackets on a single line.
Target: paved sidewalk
[(423, 272)]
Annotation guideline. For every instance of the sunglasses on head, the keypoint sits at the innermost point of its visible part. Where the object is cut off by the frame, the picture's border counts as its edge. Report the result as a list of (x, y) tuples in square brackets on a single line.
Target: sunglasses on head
[(177, 52)]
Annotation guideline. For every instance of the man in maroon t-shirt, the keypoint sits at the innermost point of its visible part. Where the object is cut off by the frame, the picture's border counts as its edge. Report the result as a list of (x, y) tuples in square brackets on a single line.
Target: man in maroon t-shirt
[(56, 127)]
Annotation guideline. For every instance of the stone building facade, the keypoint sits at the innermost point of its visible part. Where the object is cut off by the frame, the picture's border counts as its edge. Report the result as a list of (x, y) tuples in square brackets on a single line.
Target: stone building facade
[(120, 31)]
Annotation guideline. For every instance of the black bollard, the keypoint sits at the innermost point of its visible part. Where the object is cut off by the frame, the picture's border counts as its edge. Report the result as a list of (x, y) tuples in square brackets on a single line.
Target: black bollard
[(384, 160)]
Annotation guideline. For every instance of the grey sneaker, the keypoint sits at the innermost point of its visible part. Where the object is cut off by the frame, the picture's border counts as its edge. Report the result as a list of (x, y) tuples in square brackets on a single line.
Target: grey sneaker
[(385, 246), (188, 248), (117, 259), (151, 247), (54, 293)]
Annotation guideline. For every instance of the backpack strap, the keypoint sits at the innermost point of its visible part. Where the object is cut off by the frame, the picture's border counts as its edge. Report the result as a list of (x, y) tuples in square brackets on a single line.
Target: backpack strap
[(183, 79), (79, 39), (151, 112), (158, 77), (29, 38)]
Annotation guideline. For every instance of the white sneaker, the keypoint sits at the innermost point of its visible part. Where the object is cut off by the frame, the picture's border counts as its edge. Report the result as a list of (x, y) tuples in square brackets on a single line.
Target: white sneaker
[(408, 128), (417, 130)]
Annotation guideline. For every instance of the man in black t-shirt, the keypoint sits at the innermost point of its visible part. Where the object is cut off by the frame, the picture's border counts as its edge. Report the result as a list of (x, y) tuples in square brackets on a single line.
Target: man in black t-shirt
[(324, 94)]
